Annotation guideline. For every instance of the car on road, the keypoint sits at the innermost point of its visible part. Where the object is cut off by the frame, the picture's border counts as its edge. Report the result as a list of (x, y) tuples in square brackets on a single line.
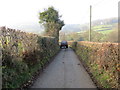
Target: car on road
[(64, 44)]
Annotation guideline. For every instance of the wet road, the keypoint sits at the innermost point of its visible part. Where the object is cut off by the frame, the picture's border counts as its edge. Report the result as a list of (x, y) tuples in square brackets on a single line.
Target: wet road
[(65, 71)]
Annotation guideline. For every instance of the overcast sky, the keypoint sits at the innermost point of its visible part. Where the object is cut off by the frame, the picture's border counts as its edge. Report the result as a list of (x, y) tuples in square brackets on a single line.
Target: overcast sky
[(72, 11)]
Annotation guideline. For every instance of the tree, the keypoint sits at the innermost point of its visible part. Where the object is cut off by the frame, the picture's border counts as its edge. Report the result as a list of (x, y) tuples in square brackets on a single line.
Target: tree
[(50, 19)]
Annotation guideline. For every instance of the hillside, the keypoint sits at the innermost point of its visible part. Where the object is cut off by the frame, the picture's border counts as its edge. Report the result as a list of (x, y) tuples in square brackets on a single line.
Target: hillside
[(102, 30), (103, 26)]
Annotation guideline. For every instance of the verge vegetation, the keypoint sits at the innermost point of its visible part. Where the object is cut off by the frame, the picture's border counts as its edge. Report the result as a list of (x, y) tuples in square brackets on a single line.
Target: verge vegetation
[(23, 54), (101, 60)]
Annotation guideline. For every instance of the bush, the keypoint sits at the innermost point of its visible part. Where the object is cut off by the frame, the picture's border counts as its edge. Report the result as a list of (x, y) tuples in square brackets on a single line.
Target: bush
[(23, 54), (102, 61)]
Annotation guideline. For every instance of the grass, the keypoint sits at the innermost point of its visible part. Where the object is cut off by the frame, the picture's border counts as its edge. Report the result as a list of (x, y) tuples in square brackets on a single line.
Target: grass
[(102, 26), (101, 77), (104, 29), (106, 32)]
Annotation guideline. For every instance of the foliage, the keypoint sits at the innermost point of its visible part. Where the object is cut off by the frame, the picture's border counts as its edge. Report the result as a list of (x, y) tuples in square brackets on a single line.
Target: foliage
[(96, 36), (51, 20), (100, 33), (23, 54), (102, 61)]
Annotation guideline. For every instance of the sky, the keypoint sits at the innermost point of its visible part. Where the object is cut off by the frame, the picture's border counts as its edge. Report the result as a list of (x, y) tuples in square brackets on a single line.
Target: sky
[(73, 11)]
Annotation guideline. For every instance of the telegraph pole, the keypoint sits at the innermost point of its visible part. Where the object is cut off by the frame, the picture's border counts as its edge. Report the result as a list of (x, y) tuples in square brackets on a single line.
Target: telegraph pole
[(90, 23)]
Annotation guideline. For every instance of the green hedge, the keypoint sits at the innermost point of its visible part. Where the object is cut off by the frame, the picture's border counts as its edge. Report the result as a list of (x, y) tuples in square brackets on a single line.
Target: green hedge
[(23, 54), (102, 61)]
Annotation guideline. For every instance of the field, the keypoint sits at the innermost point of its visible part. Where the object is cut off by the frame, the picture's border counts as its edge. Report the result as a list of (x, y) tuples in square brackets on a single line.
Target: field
[(104, 29)]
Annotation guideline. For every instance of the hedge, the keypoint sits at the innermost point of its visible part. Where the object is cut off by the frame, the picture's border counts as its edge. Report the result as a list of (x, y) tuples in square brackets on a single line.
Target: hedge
[(102, 61), (23, 54)]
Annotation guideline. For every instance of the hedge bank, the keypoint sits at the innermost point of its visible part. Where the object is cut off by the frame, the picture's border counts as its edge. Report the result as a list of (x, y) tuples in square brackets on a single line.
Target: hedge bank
[(23, 54), (101, 60)]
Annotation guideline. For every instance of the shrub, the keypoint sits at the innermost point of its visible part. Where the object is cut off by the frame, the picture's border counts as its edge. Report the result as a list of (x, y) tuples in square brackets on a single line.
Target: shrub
[(102, 60), (23, 54)]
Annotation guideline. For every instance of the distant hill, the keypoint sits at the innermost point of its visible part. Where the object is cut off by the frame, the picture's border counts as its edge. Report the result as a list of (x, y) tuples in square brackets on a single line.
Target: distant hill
[(71, 28), (68, 28), (28, 27), (105, 21)]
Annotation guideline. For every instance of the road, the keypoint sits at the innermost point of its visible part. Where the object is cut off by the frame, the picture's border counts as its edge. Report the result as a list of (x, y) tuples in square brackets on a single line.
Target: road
[(65, 71)]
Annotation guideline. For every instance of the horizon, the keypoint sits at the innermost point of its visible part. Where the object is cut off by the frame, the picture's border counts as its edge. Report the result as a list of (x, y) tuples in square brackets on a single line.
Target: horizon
[(26, 12), (35, 27)]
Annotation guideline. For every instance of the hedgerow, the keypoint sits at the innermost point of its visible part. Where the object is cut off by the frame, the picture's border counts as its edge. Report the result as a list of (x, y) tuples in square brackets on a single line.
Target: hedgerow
[(102, 61), (23, 54)]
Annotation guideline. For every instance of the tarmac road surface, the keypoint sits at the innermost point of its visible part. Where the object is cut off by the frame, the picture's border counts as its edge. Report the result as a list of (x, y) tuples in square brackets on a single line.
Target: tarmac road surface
[(65, 71)]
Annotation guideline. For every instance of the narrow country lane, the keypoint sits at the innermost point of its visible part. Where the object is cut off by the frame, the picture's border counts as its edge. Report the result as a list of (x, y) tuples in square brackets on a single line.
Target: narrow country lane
[(65, 71)]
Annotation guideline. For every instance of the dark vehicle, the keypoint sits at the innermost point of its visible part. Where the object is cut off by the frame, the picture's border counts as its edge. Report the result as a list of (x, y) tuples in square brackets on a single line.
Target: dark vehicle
[(64, 44)]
